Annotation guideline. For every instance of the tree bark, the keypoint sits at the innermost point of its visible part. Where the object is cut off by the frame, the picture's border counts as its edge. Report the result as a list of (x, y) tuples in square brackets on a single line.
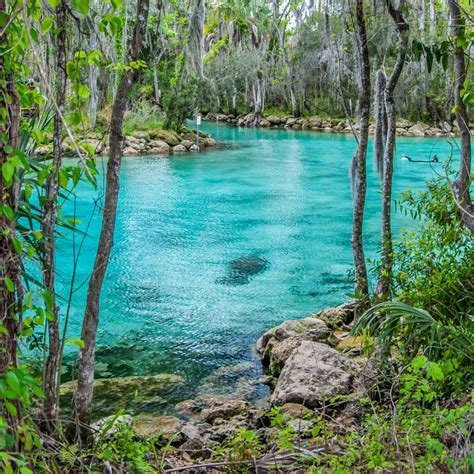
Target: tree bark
[(380, 135), (86, 359), (10, 260), (360, 157), (383, 286), (52, 369), (462, 183)]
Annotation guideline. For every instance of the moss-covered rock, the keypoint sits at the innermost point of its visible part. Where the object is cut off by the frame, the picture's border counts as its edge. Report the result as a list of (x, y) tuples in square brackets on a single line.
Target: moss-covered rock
[(134, 393), (170, 137)]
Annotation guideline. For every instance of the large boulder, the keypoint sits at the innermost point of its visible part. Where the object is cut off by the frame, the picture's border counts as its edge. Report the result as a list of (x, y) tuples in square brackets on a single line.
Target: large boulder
[(158, 147), (312, 375), (179, 149), (277, 345), (418, 130)]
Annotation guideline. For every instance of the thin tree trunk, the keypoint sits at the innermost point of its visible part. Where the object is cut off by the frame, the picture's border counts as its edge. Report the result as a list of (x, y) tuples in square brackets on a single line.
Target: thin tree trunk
[(86, 359), (10, 263), (380, 135), (360, 157), (383, 286), (462, 183), (52, 369)]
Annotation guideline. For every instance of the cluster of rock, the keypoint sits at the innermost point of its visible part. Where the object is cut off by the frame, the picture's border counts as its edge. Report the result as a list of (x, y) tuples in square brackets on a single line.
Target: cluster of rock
[(157, 142), (313, 363), (404, 127)]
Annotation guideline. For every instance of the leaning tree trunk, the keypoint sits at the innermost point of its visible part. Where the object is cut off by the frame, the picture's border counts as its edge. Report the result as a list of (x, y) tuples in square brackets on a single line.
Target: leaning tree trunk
[(463, 181), (360, 157), (52, 369), (383, 286), (11, 291), (86, 359)]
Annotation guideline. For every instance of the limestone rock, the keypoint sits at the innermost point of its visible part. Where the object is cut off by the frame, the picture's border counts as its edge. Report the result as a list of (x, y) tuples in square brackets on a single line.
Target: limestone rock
[(295, 410), (418, 129), (313, 374), (340, 315), (300, 426), (165, 427), (135, 393), (187, 143), (208, 141), (159, 146), (194, 148), (264, 123), (223, 408), (169, 137), (179, 149), (277, 345), (127, 151)]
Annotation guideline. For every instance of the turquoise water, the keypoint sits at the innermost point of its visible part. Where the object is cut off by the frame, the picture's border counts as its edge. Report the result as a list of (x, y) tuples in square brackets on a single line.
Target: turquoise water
[(212, 249)]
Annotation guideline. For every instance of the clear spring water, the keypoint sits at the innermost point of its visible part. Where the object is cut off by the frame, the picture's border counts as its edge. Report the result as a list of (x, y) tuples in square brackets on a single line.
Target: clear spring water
[(212, 249)]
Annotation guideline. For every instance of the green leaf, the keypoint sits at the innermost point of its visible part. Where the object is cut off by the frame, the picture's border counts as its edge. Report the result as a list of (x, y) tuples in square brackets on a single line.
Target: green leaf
[(63, 178), (13, 382), (82, 6), (434, 372), (9, 284), (8, 170), (76, 342), (54, 3), (10, 408), (47, 24)]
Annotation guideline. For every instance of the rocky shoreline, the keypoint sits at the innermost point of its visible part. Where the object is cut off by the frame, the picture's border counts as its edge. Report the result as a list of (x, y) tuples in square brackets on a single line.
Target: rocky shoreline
[(311, 365), (405, 128), (155, 142)]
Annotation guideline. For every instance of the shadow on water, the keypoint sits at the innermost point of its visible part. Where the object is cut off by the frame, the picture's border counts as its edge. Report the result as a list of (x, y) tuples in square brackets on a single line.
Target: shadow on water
[(241, 270)]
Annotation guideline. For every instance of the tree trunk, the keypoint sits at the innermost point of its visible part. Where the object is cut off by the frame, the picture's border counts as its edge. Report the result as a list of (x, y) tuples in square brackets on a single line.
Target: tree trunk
[(86, 359), (52, 369), (383, 286), (462, 183), (10, 263), (360, 157), (380, 135)]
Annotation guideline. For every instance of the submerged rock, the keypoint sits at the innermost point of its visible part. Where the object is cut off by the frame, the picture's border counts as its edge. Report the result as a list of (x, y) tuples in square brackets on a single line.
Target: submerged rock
[(134, 393), (242, 269), (312, 375)]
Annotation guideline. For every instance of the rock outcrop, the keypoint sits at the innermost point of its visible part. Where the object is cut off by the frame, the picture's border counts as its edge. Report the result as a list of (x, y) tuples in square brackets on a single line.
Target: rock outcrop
[(155, 142), (312, 375), (404, 127)]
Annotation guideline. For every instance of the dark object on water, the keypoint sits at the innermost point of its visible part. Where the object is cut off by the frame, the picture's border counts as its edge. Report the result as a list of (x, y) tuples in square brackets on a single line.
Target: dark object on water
[(242, 269), (435, 159)]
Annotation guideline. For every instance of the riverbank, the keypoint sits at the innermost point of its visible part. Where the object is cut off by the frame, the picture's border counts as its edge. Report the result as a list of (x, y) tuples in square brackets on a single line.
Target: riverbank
[(329, 410), (152, 142), (405, 128)]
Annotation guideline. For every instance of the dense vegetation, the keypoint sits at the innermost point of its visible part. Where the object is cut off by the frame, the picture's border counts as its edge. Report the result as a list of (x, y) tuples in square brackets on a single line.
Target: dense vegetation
[(71, 67)]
